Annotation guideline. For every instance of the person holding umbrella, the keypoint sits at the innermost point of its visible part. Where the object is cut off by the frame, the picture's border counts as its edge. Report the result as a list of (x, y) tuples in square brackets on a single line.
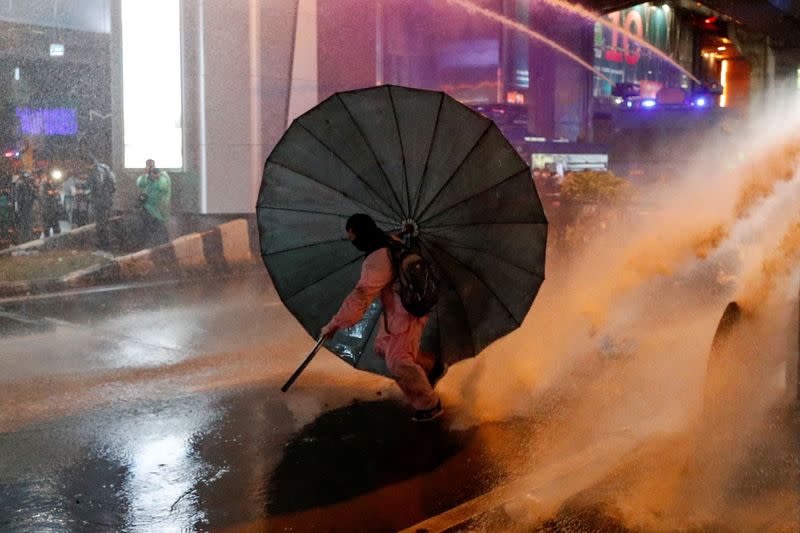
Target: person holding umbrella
[(400, 332), (417, 162)]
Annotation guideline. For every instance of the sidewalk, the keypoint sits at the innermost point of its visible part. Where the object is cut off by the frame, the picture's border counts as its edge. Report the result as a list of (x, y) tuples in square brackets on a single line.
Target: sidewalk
[(229, 247)]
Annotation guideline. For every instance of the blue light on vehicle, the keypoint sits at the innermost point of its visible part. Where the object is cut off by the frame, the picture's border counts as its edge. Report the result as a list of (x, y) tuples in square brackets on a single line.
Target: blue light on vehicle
[(648, 103), (700, 102), (629, 104)]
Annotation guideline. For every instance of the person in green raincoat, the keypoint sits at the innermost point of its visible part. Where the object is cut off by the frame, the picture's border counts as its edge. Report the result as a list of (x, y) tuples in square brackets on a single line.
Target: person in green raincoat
[(155, 191)]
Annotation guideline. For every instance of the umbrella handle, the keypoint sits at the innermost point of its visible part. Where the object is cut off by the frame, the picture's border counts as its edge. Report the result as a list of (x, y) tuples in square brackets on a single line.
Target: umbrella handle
[(303, 366)]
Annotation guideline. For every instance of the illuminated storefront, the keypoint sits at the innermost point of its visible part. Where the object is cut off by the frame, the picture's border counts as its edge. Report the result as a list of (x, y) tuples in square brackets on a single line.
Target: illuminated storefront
[(621, 59)]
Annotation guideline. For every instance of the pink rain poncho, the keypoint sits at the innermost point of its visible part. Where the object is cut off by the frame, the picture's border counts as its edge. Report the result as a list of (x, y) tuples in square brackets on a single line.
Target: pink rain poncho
[(400, 345)]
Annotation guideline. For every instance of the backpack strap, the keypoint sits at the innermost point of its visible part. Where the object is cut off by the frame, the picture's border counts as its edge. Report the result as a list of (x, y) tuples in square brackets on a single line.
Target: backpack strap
[(392, 247), (394, 277), (385, 321)]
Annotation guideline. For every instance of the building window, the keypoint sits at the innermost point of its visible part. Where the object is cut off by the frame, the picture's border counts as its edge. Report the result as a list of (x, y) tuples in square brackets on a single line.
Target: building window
[(151, 83)]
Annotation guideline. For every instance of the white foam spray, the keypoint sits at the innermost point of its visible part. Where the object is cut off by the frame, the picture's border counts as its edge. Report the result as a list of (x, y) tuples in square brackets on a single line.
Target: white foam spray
[(617, 343)]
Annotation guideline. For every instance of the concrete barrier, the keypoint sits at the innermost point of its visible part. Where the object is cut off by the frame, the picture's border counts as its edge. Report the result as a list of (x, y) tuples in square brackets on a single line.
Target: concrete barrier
[(228, 247), (235, 242), (189, 251)]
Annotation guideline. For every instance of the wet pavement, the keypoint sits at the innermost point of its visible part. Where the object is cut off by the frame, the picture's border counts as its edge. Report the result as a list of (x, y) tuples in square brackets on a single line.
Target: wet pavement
[(234, 460), (157, 408)]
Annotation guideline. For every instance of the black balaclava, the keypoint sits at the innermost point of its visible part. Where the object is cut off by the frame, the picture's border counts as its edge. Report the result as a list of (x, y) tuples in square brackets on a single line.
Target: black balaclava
[(369, 236)]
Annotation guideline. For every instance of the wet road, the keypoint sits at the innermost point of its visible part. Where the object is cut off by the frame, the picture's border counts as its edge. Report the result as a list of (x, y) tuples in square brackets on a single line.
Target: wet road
[(157, 408)]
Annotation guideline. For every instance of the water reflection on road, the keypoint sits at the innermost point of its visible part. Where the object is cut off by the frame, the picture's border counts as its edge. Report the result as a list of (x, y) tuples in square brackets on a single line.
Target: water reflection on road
[(158, 410)]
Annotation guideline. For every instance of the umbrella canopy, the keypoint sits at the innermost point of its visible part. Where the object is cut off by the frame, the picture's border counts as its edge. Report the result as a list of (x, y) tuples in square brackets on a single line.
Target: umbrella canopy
[(405, 157)]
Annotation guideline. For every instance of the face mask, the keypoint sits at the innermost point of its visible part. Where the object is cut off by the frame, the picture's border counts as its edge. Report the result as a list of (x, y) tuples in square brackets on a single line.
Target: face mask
[(369, 241), (359, 243)]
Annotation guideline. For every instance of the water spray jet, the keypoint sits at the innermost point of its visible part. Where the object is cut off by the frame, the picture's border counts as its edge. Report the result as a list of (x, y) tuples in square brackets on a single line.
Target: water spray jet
[(778, 265), (694, 418), (517, 26), (646, 258), (596, 17)]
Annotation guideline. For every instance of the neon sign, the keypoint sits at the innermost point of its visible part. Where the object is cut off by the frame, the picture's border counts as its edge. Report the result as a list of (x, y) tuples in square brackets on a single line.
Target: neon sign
[(630, 52), (47, 121)]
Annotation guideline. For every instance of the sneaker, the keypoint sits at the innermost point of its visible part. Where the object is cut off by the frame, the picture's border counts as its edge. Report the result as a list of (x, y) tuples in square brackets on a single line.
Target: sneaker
[(437, 372), (426, 415)]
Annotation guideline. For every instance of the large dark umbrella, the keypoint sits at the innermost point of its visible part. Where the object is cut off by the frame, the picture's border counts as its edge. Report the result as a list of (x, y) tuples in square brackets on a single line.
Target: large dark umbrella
[(407, 157)]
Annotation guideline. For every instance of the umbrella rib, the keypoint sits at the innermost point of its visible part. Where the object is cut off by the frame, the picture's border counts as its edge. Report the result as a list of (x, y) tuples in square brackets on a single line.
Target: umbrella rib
[(323, 278), (362, 204), (402, 151), (457, 244), (523, 223), (314, 212), (311, 245), (428, 157), (460, 301), (483, 282), (356, 174), (450, 178), (374, 155), (293, 210), (447, 209)]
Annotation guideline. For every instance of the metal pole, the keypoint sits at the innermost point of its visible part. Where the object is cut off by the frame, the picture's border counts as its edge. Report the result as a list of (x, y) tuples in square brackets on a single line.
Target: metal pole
[(303, 366)]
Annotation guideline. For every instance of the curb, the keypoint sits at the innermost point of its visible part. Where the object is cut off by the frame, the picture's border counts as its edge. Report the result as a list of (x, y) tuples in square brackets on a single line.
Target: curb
[(229, 247)]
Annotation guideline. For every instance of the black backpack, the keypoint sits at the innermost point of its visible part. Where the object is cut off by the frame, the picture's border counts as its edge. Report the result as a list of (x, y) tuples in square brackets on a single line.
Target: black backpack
[(419, 280)]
